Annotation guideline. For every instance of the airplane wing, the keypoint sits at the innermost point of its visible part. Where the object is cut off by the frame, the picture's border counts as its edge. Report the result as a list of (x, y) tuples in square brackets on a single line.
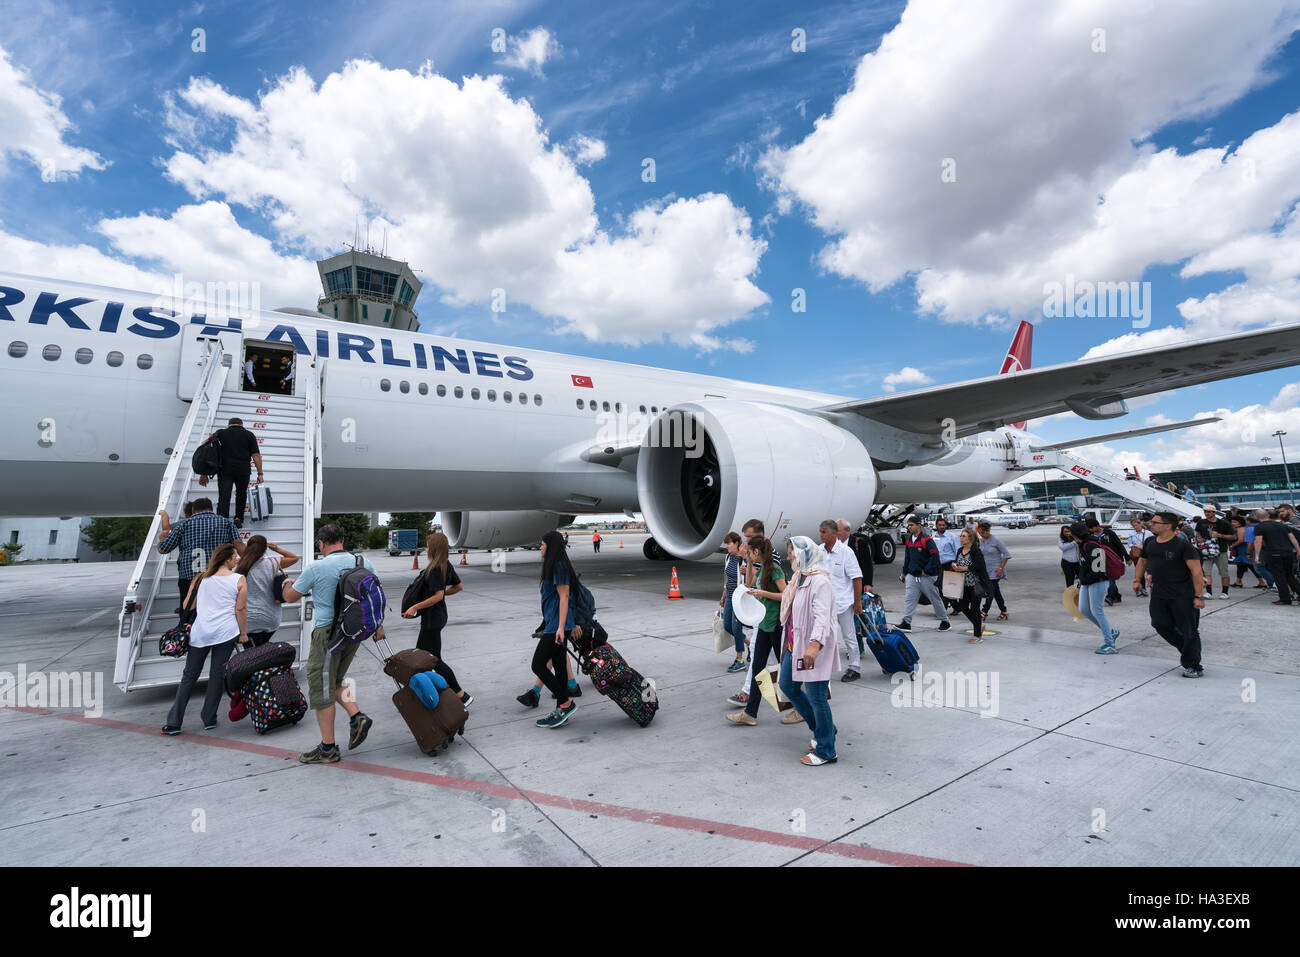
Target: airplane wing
[(1126, 434), (1092, 388)]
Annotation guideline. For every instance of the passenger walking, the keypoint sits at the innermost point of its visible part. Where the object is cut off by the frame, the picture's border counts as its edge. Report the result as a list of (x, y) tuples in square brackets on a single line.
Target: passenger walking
[(197, 537), (947, 542), (1176, 585), (326, 671), (969, 560), (770, 586), (1188, 494), (920, 566), (996, 557), (752, 528), (846, 584), (1135, 540), (811, 654), (1069, 555), (1276, 543), (730, 579), (1108, 538), (1242, 547), (260, 570), (239, 453), (1217, 531), (437, 582), (1093, 581), (219, 597), (557, 578)]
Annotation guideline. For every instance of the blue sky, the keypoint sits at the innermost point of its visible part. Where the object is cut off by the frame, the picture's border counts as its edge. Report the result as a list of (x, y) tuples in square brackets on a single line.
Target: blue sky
[(726, 108)]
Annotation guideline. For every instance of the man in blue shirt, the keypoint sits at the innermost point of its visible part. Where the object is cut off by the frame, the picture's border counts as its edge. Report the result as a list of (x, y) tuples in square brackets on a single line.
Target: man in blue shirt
[(996, 557), (948, 543), (320, 579)]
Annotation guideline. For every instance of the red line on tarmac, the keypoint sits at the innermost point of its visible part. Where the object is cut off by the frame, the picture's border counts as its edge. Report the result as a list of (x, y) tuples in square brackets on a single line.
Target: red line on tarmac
[(675, 821)]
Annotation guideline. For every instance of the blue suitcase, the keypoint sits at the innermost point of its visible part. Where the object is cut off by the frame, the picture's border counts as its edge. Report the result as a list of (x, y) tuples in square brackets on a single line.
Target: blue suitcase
[(892, 648)]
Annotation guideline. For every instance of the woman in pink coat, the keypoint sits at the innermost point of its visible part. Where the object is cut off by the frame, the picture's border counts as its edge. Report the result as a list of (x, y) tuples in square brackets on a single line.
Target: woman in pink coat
[(811, 641)]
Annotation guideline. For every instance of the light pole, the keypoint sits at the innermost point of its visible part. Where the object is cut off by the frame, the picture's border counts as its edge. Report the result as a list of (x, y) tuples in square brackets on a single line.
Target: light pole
[(1285, 471), (1266, 460)]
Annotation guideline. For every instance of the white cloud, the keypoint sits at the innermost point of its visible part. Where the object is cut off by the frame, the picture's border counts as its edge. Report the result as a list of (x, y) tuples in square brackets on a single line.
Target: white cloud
[(79, 263), (472, 193), (906, 376), (1055, 174), (586, 150), (531, 50), (34, 125)]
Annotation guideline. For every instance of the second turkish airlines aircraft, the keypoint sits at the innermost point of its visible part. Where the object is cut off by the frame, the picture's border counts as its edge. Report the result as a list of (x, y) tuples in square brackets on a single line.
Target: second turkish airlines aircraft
[(518, 440)]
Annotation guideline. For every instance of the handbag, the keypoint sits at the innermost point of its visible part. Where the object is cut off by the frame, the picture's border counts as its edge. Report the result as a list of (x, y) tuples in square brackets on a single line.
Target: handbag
[(175, 642), (954, 585), (770, 689), (722, 640)]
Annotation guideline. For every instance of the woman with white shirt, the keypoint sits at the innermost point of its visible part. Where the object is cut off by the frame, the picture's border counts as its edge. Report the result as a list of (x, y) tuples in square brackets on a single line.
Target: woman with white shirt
[(220, 599), (259, 570)]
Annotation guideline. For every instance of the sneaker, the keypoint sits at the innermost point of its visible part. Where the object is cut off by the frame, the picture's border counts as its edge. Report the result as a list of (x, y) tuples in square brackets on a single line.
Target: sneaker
[(904, 625), (737, 665), (360, 725), (945, 625), (529, 699), (1114, 635), (573, 691), (1110, 602), (557, 718), (1193, 672), (1223, 596), (735, 701), (1281, 602), (1142, 593), (1207, 596), (170, 729), (792, 717), (1107, 649), (850, 675), (740, 717), (210, 727), (318, 756)]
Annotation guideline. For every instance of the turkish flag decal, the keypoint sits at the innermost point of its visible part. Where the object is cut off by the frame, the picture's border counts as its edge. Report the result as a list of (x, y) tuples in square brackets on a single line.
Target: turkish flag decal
[(582, 381)]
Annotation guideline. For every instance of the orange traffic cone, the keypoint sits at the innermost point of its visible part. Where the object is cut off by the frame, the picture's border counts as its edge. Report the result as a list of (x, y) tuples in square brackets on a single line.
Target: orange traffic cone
[(620, 542), (673, 591), (415, 561), (463, 555)]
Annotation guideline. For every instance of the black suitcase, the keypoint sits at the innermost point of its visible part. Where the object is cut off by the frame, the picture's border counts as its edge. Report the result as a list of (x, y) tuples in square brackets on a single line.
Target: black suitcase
[(241, 665), (613, 677)]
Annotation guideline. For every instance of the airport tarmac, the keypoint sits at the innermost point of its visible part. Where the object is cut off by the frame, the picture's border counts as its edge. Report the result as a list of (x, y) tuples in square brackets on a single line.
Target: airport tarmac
[(1078, 759)]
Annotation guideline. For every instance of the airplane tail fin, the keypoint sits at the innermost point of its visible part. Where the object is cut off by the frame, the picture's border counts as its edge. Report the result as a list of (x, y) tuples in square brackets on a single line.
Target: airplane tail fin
[(1019, 355)]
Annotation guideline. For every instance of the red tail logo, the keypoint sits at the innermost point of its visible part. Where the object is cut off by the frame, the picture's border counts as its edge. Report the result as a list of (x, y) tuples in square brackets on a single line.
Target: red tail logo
[(1019, 355)]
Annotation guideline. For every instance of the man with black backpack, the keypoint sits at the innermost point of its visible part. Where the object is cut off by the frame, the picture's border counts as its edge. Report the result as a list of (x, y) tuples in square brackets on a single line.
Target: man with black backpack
[(321, 580), (239, 453)]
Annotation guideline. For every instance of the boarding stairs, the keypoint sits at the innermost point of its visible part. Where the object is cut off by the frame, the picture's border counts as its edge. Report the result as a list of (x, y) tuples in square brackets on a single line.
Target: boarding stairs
[(1136, 491), (288, 432)]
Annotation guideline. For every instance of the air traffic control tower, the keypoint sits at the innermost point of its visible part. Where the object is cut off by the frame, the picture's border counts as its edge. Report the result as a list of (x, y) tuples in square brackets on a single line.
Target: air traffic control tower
[(364, 287)]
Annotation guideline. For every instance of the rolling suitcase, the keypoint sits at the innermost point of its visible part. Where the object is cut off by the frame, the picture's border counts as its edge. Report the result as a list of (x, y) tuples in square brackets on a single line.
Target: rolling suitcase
[(260, 504), (615, 678), (432, 729), (242, 665), (892, 648), (274, 699)]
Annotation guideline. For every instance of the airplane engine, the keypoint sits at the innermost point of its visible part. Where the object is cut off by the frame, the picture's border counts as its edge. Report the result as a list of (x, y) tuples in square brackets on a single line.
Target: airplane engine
[(499, 529), (708, 466)]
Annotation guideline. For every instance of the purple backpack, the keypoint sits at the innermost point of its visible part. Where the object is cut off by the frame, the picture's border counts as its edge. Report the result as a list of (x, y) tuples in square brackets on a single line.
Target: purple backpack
[(358, 607)]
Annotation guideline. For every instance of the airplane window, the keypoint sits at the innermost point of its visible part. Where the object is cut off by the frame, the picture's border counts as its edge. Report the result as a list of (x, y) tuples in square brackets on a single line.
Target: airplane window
[(642, 408), (84, 356), (605, 406), (114, 358), (618, 406), (404, 387), (579, 403), (460, 393), (654, 410), (51, 352), (492, 395), (523, 398), (442, 390), (144, 361), (537, 400), (18, 349), (424, 388), (473, 393), (384, 385), (592, 405), (507, 396)]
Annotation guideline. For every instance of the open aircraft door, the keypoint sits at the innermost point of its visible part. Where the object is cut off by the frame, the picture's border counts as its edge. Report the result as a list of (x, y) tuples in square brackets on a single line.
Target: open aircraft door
[(194, 349)]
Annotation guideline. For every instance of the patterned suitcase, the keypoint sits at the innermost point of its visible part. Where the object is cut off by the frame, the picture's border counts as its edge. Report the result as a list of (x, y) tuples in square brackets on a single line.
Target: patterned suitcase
[(620, 682), (274, 699), (243, 664)]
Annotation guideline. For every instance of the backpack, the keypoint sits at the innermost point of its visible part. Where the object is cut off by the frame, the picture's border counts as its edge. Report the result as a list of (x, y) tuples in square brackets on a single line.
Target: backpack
[(207, 457), (1114, 564), (583, 604), (1209, 548), (358, 607)]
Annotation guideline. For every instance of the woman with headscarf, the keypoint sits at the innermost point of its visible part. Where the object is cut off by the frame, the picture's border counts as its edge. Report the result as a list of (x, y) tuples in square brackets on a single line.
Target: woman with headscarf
[(811, 645)]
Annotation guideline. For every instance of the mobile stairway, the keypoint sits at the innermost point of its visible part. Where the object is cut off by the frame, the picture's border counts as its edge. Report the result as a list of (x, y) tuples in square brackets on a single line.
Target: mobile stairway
[(1137, 492), (288, 433)]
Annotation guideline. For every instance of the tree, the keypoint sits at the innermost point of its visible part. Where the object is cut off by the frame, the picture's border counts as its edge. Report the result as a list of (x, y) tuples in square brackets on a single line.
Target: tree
[(377, 537), (10, 551), (355, 527), (416, 520), (123, 537)]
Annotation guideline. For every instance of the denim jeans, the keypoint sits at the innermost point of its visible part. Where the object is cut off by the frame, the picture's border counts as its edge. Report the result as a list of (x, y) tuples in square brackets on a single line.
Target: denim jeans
[(734, 626), (810, 700), (1092, 604)]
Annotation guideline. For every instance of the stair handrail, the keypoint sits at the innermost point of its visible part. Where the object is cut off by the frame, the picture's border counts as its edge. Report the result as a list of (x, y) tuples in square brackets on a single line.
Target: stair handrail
[(133, 617), (1134, 491), (311, 486)]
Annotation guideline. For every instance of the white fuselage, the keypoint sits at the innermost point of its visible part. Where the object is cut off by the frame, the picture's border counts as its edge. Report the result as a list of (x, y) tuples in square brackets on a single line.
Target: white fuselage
[(83, 436)]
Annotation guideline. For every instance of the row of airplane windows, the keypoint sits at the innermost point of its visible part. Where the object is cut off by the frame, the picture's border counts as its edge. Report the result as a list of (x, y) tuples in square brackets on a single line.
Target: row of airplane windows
[(52, 353), (404, 387)]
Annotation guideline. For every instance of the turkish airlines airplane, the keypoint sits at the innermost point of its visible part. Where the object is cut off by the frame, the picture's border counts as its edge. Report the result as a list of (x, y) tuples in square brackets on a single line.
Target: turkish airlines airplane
[(513, 442)]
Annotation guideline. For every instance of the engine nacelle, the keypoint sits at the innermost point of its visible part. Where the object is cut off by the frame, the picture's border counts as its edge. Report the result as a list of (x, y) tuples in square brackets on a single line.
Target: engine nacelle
[(755, 460), (499, 529)]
